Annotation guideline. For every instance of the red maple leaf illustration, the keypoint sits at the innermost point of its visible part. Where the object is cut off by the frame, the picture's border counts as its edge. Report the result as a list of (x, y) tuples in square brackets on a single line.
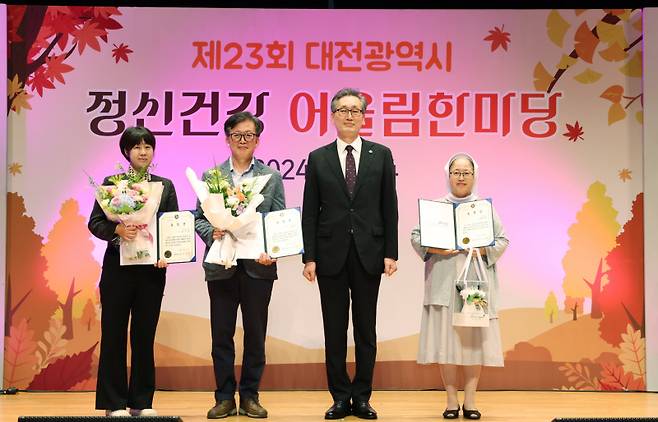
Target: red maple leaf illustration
[(498, 38), (574, 132), (121, 52), (86, 36), (55, 67), (39, 81), (106, 12), (64, 24)]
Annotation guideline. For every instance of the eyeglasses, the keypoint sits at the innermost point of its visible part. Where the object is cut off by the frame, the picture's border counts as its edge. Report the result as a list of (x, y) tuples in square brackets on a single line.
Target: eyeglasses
[(237, 136), (342, 112), (460, 174)]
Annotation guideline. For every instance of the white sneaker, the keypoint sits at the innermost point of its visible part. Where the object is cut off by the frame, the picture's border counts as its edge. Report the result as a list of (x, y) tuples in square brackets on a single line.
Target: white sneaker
[(143, 412), (119, 412)]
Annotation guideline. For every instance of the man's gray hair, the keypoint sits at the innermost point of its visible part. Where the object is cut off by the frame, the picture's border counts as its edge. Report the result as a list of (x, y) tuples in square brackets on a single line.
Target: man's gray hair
[(348, 92)]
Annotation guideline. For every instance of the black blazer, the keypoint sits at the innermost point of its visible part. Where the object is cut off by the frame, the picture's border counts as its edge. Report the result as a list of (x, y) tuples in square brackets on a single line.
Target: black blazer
[(103, 228), (330, 217)]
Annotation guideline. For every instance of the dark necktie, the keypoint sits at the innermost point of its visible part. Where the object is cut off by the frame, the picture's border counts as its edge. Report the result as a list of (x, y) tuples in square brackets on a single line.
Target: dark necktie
[(350, 170)]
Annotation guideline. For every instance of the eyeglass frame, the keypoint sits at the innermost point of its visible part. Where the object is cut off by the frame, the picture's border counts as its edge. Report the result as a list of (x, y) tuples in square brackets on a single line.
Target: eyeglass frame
[(460, 174), (240, 136), (343, 112)]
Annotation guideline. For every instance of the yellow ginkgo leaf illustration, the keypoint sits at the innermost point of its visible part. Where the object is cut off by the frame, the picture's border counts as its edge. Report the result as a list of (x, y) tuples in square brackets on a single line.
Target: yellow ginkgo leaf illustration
[(625, 16), (639, 116), (542, 79), (556, 27), (633, 67), (579, 12), (588, 76), (610, 34), (613, 93), (586, 42), (614, 53), (14, 86), (615, 113), (566, 61)]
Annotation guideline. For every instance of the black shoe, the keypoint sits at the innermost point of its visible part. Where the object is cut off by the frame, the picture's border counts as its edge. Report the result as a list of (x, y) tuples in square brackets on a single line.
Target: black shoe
[(363, 410), (472, 414), (451, 413), (339, 410)]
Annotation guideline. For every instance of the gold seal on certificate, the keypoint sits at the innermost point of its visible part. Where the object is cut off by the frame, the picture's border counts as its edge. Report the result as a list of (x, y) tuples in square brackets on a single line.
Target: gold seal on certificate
[(283, 232), (176, 238), (446, 225)]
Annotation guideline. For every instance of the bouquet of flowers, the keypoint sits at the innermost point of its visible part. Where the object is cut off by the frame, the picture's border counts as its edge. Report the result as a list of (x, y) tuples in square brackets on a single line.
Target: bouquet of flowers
[(132, 200), (233, 210), (236, 199), (474, 300)]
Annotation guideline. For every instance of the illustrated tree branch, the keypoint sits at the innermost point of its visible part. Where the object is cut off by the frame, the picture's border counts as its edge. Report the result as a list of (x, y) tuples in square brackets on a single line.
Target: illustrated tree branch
[(609, 19)]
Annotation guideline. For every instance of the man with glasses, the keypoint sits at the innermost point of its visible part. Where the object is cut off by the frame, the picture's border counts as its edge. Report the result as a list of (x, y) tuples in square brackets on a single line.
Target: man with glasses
[(248, 285), (350, 224)]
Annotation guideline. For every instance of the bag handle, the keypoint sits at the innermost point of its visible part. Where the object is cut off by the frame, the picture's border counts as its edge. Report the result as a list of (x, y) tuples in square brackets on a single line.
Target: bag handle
[(464, 272), (480, 268)]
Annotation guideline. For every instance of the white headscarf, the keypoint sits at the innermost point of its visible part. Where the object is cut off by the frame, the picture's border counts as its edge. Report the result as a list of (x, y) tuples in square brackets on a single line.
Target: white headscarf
[(473, 196)]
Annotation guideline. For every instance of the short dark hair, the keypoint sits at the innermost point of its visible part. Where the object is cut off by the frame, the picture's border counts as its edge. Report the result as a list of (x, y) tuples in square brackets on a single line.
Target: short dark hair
[(348, 92), (134, 136), (240, 117)]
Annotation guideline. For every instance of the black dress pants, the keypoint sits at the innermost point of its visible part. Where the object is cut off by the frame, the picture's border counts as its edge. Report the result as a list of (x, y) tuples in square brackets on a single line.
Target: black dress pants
[(253, 296), (128, 293), (335, 292)]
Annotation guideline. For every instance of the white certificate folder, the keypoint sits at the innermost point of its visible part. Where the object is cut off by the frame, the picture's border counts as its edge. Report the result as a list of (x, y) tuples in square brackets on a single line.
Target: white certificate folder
[(176, 237), (445, 225), (283, 232)]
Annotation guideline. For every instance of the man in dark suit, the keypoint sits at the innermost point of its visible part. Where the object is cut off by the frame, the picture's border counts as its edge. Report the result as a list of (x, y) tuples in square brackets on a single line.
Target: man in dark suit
[(350, 220), (248, 284)]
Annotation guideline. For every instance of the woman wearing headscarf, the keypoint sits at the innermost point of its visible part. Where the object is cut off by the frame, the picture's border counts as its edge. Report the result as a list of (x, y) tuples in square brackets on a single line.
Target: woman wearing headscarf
[(130, 295), (440, 342)]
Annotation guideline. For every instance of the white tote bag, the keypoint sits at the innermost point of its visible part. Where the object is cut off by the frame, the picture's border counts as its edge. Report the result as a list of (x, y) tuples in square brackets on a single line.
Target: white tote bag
[(471, 295)]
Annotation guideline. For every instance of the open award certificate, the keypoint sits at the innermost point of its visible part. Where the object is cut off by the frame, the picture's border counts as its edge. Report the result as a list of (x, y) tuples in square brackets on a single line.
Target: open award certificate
[(283, 232), (445, 225), (278, 233), (176, 237)]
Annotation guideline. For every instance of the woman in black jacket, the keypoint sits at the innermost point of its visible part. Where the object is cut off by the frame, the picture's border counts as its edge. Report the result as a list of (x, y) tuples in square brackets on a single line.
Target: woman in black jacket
[(132, 292)]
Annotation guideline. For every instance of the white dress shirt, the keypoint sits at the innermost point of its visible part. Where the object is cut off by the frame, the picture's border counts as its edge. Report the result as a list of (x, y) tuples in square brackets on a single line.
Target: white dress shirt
[(342, 152)]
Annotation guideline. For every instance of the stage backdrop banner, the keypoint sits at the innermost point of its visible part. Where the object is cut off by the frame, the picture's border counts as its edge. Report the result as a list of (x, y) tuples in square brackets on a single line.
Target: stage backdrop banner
[(549, 102)]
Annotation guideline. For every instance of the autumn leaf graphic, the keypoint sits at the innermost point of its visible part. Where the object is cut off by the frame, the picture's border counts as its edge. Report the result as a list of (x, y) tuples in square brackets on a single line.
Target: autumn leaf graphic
[(21, 101), (613, 93), (55, 67), (86, 36), (588, 76), (65, 372), (121, 52), (39, 81), (15, 168), (625, 174), (498, 38), (574, 132), (33, 61), (556, 27)]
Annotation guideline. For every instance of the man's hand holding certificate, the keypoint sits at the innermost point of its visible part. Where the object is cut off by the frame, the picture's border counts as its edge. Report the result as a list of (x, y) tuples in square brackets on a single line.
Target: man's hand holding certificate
[(445, 225)]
